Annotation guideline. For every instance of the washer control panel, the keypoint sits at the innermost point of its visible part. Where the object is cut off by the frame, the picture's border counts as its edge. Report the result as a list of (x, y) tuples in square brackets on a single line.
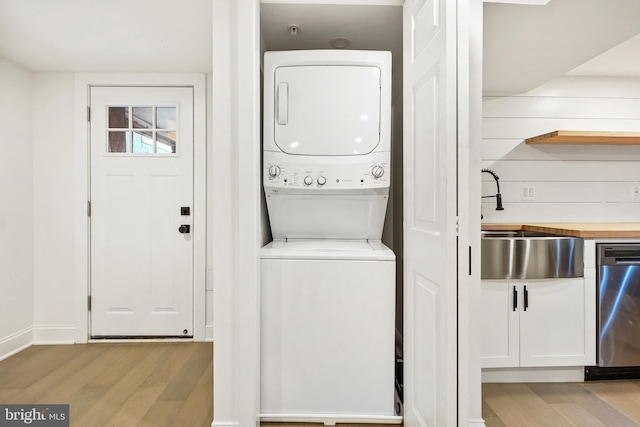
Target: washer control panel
[(326, 176)]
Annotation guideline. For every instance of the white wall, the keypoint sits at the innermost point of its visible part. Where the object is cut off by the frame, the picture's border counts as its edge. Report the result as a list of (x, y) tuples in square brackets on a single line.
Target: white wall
[(16, 208), (571, 182), (38, 174), (54, 201)]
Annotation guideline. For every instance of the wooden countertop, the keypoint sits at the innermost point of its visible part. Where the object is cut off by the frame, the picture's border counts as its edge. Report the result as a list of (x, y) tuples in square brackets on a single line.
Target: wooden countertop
[(575, 229)]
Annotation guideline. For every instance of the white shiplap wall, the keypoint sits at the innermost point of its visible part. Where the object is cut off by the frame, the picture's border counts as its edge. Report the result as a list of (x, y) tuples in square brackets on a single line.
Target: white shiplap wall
[(571, 182)]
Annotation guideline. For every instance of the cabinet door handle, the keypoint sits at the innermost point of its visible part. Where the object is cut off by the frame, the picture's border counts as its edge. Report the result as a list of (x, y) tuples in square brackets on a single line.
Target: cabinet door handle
[(526, 299), (515, 299)]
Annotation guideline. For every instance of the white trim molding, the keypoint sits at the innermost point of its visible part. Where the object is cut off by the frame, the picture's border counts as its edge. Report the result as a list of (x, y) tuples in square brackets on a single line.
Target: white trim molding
[(331, 419), (526, 2), (351, 2), (83, 81), (54, 334), (15, 342), (571, 374), (236, 193)]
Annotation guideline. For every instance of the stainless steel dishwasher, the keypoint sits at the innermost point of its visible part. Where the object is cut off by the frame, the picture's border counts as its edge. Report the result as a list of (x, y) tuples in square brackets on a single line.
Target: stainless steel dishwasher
[(618, 305)]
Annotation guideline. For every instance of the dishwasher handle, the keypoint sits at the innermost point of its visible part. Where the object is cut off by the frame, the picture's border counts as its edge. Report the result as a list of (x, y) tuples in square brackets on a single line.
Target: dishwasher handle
[(627, 261)]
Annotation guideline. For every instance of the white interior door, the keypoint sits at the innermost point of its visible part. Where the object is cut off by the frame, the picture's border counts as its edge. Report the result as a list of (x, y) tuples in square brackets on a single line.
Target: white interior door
[(141, 200), (430, 241)]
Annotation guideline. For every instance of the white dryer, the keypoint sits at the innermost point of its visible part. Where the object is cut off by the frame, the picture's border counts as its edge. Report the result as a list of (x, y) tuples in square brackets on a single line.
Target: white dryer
[(327, 282), (326, 143)]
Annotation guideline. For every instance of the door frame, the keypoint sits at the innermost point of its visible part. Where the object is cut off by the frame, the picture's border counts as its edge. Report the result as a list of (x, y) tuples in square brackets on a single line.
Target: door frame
[(83, 84)]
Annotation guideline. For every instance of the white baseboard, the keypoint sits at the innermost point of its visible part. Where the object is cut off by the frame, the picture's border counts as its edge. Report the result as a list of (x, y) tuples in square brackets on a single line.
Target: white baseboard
[(534, 375), (476, 423), (224, 424), (15, 342), (54, 334), (331, 419), (208, 332)]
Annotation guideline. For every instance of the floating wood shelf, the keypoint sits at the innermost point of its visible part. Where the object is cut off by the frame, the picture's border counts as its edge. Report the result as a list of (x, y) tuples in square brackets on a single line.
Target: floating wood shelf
[(586, 138)]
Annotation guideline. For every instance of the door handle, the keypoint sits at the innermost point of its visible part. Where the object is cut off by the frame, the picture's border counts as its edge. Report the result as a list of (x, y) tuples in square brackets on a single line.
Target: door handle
[(184, 229), (283, 103), (515, 299), (526, 298)]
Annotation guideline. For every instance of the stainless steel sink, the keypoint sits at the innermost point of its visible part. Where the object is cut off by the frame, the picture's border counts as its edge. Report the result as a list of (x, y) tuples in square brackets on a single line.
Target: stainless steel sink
[(530, 255)]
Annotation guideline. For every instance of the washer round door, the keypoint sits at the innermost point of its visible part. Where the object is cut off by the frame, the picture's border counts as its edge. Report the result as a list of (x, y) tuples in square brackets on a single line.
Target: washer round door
[(327, 110)]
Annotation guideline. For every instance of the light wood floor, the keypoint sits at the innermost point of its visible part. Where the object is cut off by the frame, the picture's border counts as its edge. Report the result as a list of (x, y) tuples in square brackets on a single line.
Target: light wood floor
[(597, 404), (120, 384), (592, 404), (171, 384)]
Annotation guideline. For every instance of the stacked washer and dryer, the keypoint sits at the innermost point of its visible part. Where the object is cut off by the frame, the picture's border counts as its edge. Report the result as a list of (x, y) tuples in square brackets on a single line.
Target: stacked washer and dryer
[(328, 282)]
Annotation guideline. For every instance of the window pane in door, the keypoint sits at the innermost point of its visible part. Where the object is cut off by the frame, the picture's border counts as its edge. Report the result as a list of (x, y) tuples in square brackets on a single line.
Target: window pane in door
[(143, 117), (166, 142), (166, 117), (118, 142), (118, 117), (142, 142)]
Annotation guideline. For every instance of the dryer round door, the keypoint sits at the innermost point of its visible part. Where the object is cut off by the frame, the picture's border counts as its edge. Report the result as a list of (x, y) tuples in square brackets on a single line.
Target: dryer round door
[(327, 110)]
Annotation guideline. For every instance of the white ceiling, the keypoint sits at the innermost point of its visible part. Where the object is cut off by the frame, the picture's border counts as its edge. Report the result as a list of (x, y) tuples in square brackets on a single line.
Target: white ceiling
[(524, 45), (366, 27), (621, 61), (107, 35)]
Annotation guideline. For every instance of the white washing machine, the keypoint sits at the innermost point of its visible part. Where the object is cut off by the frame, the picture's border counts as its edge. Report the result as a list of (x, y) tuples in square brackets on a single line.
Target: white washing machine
[(328, 328), (328, 283)]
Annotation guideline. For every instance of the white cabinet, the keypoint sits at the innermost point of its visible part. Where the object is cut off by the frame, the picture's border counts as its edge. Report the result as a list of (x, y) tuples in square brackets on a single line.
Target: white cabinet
[(536, 323)]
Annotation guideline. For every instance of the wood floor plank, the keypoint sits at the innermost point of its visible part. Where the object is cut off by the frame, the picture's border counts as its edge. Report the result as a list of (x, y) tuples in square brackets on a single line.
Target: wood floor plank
[(486, 410), (189, 414), (173, 364), (116, 384), (82, 402), (518, 405), (184, 381), (576, 414), (551, 393), (600, 408), (65, 391), (123, 387), (162, 414), (33, 368), (198, 398), (135, 407), (132, 356), (10, 362), (170, 384), (35, 392), (6, 394), (493, 421)]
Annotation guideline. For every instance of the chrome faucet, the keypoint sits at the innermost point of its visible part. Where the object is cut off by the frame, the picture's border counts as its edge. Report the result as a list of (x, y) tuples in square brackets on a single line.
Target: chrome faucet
[(498, 196)]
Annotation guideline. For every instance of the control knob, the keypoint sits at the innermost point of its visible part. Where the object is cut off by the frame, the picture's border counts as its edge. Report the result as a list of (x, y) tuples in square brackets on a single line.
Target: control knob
[(377, 171), (274, 170), (308, 180), (322, 180)]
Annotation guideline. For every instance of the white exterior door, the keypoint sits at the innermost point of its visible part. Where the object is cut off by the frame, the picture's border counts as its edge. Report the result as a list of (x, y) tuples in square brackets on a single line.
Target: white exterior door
[(141, 144), (430, 242)]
